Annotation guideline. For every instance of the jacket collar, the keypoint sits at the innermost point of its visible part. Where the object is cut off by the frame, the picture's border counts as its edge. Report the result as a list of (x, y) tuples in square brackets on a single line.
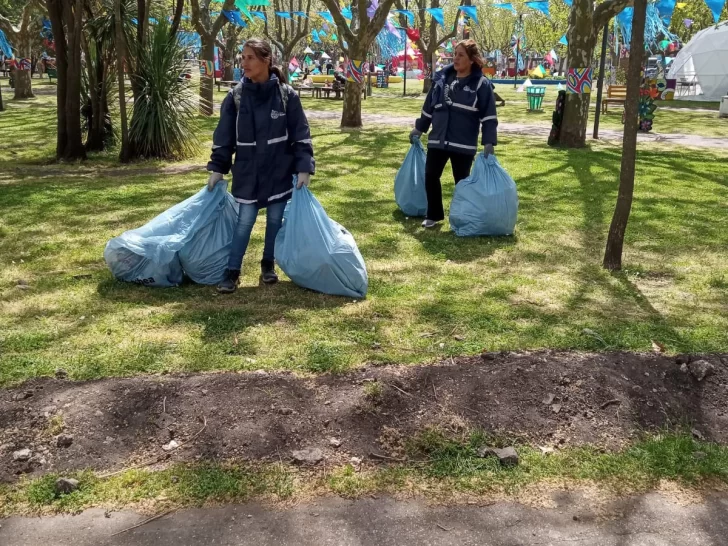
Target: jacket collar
[(262, 88)]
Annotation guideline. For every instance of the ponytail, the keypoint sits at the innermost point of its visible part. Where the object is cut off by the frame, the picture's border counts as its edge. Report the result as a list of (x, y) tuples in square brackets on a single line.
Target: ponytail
[(278, 72)]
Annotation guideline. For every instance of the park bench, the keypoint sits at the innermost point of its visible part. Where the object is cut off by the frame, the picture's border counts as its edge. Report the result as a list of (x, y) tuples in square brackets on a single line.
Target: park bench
[(52, 73), (326, 93), (301, 89), (616, 94), (230, 84)]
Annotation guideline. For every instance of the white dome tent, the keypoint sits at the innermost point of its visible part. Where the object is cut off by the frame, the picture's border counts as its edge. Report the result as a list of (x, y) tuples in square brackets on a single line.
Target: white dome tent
[(701, 67)]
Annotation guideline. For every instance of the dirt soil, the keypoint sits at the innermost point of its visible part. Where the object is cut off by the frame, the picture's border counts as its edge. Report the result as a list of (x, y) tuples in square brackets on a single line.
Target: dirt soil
[(545, 398)]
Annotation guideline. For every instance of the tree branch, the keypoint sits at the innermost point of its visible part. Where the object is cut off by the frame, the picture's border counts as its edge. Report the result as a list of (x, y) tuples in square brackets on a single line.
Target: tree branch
[(377, 22), (221, 19), (343, 28), (608, 9), (8, 28), (179, 7)]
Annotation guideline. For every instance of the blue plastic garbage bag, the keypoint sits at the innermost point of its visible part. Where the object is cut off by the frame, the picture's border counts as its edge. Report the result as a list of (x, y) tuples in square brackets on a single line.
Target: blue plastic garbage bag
[(205, 256), (486, 202), (318, 253), (409, 184), (149, 255)]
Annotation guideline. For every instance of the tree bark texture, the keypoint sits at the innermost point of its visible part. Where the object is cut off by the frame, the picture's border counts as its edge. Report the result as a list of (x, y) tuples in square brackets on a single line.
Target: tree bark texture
[(618, 227), (208, 31), (66, 22), (359, 38), (124, 154), (207, 53), (22, 38), (585, 21)]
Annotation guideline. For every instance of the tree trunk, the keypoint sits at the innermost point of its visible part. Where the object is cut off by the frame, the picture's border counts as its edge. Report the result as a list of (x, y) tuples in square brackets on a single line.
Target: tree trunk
[(73, 148), (615, 239), (207, 53), (96, 138), (124, 154), (55, 14), (23, 85), (2, 104), (582, 40), (427, 84), (351, 113)]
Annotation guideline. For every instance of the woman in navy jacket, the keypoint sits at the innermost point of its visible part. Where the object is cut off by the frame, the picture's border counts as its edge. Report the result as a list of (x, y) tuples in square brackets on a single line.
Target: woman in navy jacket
[(262, 123), (460, 102)]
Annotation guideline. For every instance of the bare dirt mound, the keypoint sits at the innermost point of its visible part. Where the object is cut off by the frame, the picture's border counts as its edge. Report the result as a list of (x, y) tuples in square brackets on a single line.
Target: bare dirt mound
[(543, 397)]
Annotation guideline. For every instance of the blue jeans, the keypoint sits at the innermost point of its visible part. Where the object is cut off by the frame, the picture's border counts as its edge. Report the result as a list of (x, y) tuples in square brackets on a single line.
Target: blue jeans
[(247, 216)]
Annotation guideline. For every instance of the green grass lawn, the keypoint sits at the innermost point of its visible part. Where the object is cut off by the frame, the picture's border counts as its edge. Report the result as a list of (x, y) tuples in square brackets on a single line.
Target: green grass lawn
[(439, 468), (540, 288)]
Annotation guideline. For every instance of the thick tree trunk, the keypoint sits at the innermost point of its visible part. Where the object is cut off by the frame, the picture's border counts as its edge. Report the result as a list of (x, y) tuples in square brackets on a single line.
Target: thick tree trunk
[(55, 14), (124, 154), (207, 53), (23, 85), (582, 40), (351, 114), (615, 239), (72, 18)]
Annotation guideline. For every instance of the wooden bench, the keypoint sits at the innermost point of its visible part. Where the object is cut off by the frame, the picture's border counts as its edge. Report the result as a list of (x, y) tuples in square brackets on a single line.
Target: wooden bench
[(616, 94), (315, 91), (230, 84)]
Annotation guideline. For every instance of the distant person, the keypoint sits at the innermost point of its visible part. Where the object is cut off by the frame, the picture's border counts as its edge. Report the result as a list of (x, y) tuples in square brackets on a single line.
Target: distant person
[(263, 125), (460, 102), (329, 67)]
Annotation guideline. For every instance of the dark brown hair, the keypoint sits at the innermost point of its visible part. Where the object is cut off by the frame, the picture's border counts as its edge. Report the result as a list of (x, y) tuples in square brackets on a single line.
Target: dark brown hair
[(263, 51), (472, 51)]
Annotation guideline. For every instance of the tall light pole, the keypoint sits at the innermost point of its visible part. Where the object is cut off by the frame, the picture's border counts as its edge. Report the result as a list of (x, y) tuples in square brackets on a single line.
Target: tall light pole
[(404, 74), (519, 31)]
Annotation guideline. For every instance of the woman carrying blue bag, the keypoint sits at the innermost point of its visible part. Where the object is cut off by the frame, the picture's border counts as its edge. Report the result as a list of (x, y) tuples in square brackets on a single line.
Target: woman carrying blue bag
[(460, 102), (263, 124)]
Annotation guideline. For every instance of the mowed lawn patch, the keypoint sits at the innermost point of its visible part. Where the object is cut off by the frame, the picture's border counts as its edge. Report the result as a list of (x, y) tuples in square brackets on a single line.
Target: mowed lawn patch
[(432, 294)]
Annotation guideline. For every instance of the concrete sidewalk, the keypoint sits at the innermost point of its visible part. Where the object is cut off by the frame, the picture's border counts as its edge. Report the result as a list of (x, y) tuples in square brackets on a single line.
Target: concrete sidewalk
[(645, 520), (541, 130)]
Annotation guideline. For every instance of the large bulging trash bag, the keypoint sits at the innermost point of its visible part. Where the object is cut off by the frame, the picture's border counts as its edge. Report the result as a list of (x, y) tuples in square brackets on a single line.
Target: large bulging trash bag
[(486, 202), (318, 253), (205, 256), (150, 255), (409, 184)]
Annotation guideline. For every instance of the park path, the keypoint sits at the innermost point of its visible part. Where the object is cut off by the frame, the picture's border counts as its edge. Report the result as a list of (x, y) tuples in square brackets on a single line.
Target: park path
[(572, 518), (540, 130)]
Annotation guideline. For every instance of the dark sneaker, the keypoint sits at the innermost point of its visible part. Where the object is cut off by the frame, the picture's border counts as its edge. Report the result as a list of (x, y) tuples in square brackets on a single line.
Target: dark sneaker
[(230, 282), (268, 272)]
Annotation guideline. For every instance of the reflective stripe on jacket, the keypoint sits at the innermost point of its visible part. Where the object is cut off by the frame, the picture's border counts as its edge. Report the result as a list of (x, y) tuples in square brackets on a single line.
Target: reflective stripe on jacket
[(455, 117), (270, 140)]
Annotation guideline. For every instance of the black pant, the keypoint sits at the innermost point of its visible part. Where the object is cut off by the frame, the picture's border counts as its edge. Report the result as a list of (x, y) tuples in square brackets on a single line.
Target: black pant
[(436, 161)]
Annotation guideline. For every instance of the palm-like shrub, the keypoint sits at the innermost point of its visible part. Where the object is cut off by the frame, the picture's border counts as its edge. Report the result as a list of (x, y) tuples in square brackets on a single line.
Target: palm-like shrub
[(163, 118)]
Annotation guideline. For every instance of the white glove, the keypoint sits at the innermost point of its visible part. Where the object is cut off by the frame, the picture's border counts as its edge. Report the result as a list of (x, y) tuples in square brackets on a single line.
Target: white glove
[(304, 179), (488, 150), (213, 180)]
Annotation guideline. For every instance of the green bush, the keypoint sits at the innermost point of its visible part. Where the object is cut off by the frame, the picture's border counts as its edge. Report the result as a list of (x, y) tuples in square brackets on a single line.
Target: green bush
[(162, 123)]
